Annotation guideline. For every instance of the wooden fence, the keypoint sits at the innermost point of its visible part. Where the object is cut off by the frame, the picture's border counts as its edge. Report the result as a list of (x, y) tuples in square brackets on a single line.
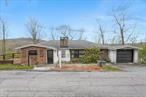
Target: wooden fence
[(9, 58)]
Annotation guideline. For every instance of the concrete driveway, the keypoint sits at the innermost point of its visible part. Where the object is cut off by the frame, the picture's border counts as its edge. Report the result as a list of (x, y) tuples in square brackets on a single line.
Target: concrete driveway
[(132, 67), (73, 84)]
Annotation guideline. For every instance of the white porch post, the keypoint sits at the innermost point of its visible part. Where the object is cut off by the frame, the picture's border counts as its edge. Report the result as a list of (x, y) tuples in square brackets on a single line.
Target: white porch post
[(59, 55), (112, 54), (135, 57)]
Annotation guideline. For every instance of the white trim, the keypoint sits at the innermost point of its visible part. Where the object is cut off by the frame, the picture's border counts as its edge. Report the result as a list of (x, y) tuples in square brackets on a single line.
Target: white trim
[(67, 55), (35, 45), (46, 57), (112, 54), (123, 47), (135, 56)]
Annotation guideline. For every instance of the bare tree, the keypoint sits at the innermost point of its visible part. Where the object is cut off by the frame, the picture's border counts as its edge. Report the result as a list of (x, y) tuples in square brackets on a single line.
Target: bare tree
[(101, 32), (124, 27), (97, 37), (3, 31), (81, 34), (120, 21), (132, 37), (34, 28), (52, 33), (6, 2), (64, 30), (67, 31)]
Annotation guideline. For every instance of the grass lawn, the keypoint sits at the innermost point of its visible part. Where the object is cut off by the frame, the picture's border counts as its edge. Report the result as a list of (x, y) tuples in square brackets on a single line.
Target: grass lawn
[(14, 67), (110, 68), (74, 68)]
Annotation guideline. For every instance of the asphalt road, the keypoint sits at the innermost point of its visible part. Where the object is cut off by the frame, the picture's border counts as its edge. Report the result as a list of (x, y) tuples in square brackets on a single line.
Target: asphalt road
[(73, 84)]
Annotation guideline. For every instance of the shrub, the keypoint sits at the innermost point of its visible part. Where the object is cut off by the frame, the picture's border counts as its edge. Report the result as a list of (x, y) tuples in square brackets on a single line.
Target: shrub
[(142, 54), (91, 55)]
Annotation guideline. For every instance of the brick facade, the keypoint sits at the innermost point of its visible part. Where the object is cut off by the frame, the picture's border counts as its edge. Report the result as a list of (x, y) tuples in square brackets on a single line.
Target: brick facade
[(40, 58), (104, 54)]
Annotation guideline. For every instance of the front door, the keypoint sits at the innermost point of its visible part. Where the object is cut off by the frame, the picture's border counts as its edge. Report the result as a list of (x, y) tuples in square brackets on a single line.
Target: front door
[(50, 56), (32, 57)]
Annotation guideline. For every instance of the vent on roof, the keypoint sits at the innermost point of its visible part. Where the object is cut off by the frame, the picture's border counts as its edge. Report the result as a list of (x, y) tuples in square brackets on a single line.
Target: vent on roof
[(63, 42)]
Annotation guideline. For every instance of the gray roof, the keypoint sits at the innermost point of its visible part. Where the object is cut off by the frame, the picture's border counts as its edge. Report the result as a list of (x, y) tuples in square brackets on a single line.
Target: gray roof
[(82, 44), (78, 44), (117, 46), (72, 44)]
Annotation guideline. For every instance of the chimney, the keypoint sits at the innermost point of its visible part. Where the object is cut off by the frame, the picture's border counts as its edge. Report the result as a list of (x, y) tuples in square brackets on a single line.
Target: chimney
[(63, 42)]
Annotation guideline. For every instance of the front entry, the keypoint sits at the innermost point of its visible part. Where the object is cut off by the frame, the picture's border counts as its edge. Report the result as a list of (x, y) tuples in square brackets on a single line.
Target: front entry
[(32, 57), (50, 56)]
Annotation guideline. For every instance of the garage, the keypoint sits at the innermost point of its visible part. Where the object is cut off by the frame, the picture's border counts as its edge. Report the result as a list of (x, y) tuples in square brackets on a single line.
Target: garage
[(124, 56)]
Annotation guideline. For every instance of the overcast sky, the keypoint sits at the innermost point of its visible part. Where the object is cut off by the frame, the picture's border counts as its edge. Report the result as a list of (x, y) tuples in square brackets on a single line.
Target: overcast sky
[(77, 13)]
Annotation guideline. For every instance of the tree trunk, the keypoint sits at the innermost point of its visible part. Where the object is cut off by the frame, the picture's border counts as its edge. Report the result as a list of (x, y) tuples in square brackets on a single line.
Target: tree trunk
[(4, 42), (122, 37)]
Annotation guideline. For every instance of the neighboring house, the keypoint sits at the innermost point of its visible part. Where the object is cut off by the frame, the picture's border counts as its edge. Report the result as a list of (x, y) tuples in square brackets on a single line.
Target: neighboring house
[(48, 52)]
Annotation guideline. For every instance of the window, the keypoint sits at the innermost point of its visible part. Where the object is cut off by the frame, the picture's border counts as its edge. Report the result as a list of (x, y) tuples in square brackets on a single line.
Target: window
[(77, 53), (81, 53), (63, 53), (72, 54), (33, 52)]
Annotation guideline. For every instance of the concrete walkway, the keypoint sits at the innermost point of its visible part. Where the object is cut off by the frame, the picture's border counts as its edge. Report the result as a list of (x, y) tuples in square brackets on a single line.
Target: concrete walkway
[(41, 68), (72, 84)]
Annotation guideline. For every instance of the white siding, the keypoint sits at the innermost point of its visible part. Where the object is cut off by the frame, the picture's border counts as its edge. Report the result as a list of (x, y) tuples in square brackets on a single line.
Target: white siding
[(112, 55), (55, 57), (67, 56), (135, 59), (63, 59)]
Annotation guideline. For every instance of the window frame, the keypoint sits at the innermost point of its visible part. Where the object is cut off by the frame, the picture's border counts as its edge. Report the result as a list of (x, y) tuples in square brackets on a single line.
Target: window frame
[(78, 53), (63, 54)]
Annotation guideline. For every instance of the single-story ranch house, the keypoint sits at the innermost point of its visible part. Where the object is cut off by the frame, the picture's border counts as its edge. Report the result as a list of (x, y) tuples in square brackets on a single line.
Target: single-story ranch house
[(48, 52)]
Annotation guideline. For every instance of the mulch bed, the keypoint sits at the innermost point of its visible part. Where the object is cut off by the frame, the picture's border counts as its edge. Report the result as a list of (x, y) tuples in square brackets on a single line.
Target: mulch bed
[(78, 68)]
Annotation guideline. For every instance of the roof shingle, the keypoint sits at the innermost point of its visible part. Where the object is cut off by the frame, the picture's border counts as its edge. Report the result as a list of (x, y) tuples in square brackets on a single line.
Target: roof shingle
[(79, 44)]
